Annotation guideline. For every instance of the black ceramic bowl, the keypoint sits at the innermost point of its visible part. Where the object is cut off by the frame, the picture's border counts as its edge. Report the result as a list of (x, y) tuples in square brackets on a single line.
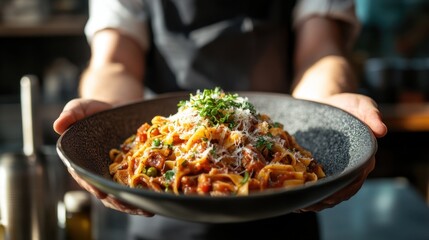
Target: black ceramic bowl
[(339, 141)]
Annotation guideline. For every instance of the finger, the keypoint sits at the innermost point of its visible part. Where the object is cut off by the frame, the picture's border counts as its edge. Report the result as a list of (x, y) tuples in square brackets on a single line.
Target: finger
[(345, 193), (65, 120), (88, 187), (71, 113), (113, 203), (374, 121), (362, 107), (76, 110), (370, 114)]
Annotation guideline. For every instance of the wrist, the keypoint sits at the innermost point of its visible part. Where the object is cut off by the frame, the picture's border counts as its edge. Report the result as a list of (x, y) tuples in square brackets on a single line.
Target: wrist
[(110, 84), (328, 76)]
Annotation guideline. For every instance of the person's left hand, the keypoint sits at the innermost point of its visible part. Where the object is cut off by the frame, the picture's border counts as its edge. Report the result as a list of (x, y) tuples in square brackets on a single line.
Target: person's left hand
[(362, 107), (365, 109)]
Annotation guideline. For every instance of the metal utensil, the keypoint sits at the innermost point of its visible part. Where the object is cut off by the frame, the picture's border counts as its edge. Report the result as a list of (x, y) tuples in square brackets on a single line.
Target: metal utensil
[(23, 181)]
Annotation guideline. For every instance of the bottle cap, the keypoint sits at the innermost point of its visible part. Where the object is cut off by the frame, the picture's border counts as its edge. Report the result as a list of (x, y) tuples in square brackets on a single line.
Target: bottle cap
[(76, 201)]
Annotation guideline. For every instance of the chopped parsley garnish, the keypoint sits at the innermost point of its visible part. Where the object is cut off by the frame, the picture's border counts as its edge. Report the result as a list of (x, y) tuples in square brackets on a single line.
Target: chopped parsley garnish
[(262, 143), (169, 175), (217, 106)]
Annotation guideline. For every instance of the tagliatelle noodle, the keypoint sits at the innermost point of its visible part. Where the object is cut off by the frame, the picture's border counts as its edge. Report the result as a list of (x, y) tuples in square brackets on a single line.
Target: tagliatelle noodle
[(216, 144)]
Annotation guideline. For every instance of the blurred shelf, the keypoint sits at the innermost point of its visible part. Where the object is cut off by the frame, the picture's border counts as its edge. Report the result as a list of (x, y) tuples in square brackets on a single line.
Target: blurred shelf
[(64, 25), (406, 116)]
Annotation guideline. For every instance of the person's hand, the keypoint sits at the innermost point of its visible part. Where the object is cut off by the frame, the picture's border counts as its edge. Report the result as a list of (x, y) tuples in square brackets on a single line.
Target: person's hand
[(365, 109), (108, 200), (362, 107), (78, 109)]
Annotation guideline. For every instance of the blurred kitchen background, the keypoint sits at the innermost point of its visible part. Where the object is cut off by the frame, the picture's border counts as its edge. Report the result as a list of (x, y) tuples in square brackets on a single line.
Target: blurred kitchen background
[(45, 38), (391, 58)]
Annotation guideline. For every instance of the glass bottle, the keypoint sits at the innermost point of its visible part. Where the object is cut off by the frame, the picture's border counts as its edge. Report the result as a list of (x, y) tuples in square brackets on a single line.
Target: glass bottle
[(78, 215)]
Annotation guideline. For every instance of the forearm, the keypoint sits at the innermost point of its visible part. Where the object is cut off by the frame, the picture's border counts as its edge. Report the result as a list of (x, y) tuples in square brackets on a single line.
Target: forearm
[(328, 76), (116, 69), (110, 83), (321, 65)]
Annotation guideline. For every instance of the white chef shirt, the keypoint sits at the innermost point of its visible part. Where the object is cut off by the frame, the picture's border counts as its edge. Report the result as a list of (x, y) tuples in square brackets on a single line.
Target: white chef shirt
[(129, 16), (190, 49)]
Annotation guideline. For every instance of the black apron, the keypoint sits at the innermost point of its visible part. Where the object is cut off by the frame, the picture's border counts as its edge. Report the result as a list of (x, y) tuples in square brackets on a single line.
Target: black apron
[(238, 45)]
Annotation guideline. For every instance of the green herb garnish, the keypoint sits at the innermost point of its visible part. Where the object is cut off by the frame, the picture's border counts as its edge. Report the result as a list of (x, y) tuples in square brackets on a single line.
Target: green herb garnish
[(262, 143), (245, 178), (217, 106), (169, 175)]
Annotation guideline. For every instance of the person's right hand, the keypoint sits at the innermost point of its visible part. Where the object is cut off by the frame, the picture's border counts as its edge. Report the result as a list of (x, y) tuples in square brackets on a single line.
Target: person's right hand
[(78, 109)]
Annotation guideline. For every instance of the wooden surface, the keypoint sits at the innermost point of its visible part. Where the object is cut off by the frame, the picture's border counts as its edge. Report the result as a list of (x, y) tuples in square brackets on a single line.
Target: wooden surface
[(406, 116), (54, 26)]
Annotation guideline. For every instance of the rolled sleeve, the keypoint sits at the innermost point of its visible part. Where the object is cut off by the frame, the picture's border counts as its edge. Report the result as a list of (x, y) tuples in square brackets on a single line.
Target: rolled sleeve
[(127, 16), (343, 10)]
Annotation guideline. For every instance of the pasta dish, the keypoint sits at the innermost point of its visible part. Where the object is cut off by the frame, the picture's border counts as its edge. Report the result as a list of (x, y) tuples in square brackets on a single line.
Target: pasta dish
[(216, 144)]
